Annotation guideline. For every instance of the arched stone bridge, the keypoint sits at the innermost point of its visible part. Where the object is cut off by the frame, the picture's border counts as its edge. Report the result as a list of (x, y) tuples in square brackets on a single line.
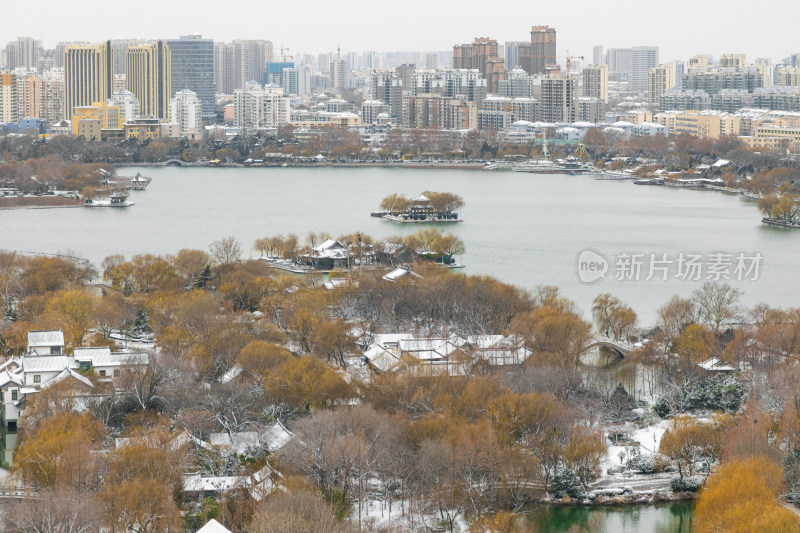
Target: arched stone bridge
[(621, 347)]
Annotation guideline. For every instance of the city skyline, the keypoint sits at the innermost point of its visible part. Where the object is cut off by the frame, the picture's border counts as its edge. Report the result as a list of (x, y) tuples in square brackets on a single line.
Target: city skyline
[(580, 26)]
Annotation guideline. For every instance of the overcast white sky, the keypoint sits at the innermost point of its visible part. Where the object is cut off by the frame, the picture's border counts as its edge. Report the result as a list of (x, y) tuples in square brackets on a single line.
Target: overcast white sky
[(681, 28)]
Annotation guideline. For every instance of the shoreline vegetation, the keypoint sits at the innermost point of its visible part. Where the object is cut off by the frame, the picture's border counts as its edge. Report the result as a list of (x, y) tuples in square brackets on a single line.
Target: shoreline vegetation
[(450, 399)]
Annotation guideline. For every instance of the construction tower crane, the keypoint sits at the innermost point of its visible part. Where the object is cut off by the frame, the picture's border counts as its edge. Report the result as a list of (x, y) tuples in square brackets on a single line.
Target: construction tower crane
[(569, 59), (283, 54)]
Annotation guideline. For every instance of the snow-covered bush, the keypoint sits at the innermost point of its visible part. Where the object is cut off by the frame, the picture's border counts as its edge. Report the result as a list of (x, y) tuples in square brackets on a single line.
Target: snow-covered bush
[(565, 482), (686, 484)]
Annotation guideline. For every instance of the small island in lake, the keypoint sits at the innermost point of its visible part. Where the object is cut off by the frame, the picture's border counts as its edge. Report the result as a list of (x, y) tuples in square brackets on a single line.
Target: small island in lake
[(428, 207), (780, 210)]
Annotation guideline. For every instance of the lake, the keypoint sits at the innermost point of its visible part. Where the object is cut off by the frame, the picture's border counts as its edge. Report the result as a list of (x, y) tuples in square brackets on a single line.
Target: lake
[(524, 229), (659, 518)]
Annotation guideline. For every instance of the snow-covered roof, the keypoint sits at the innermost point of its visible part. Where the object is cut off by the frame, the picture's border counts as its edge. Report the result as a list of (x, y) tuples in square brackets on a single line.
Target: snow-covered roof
[(67, 373), (213, 527), (47, 363), (399, 273), (198, 483), (103, 356), (715, 365), (328, 244), (7, 378), (45, 338), (259, 484), (232, 374), (274, 438), (387, 350), (12, 364), (421, 198)]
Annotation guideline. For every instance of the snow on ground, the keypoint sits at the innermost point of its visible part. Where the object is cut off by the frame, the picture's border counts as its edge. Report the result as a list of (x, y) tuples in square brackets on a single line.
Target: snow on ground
[(376, 513), (648, 439)]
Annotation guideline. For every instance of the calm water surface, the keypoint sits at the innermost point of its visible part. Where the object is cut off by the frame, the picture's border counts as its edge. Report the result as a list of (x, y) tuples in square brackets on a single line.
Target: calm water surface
[(662, 518), (524, 229)]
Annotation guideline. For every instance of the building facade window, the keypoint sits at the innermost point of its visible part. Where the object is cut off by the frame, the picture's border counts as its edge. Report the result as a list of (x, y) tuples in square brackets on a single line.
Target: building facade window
[(14, 395), (37, 378)]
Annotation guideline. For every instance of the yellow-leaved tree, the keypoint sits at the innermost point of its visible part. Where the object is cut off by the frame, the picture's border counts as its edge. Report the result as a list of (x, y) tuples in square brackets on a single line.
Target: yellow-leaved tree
[(742, 498)]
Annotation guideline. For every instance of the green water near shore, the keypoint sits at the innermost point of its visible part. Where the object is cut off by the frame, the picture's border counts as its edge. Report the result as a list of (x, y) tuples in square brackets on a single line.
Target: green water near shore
[(653, 518)]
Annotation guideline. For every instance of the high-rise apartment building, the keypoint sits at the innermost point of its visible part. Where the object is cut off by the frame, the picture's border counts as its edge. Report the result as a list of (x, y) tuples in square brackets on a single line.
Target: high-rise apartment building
[(149, 77), (118, 49), (406, 73), (481, 54), (788, 76), (186, 110), (542, 51), (8, 98), (659, 79), (439, 112), (712, 81), (619, 62), (518, 85), (88, 75), (595, 82), (512, 53), (558, 98), (643, 58), (679, 69), (22, 53), (239, 62), (52, 94), (296, 80), (432, 61), (388, 89), (29, 96), (193, 69), (700, 61), (257, 107), (370, 110), (339, 73), (128, 104), (734, 61), (598, 57)]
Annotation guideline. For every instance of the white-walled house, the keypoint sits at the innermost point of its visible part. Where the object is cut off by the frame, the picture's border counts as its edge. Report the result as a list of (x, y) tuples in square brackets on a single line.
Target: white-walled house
[(106, 364), (45, 365), (45, 342)]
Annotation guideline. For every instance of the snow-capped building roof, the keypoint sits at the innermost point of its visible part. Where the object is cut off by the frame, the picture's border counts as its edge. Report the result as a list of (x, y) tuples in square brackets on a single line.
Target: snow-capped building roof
[(399, 273), (213, 527), (7, 378), (45, 338), (103, 356), (715, 365), (273, 438), (67, 373), (328, 245), (47, 363), (388, 352)]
